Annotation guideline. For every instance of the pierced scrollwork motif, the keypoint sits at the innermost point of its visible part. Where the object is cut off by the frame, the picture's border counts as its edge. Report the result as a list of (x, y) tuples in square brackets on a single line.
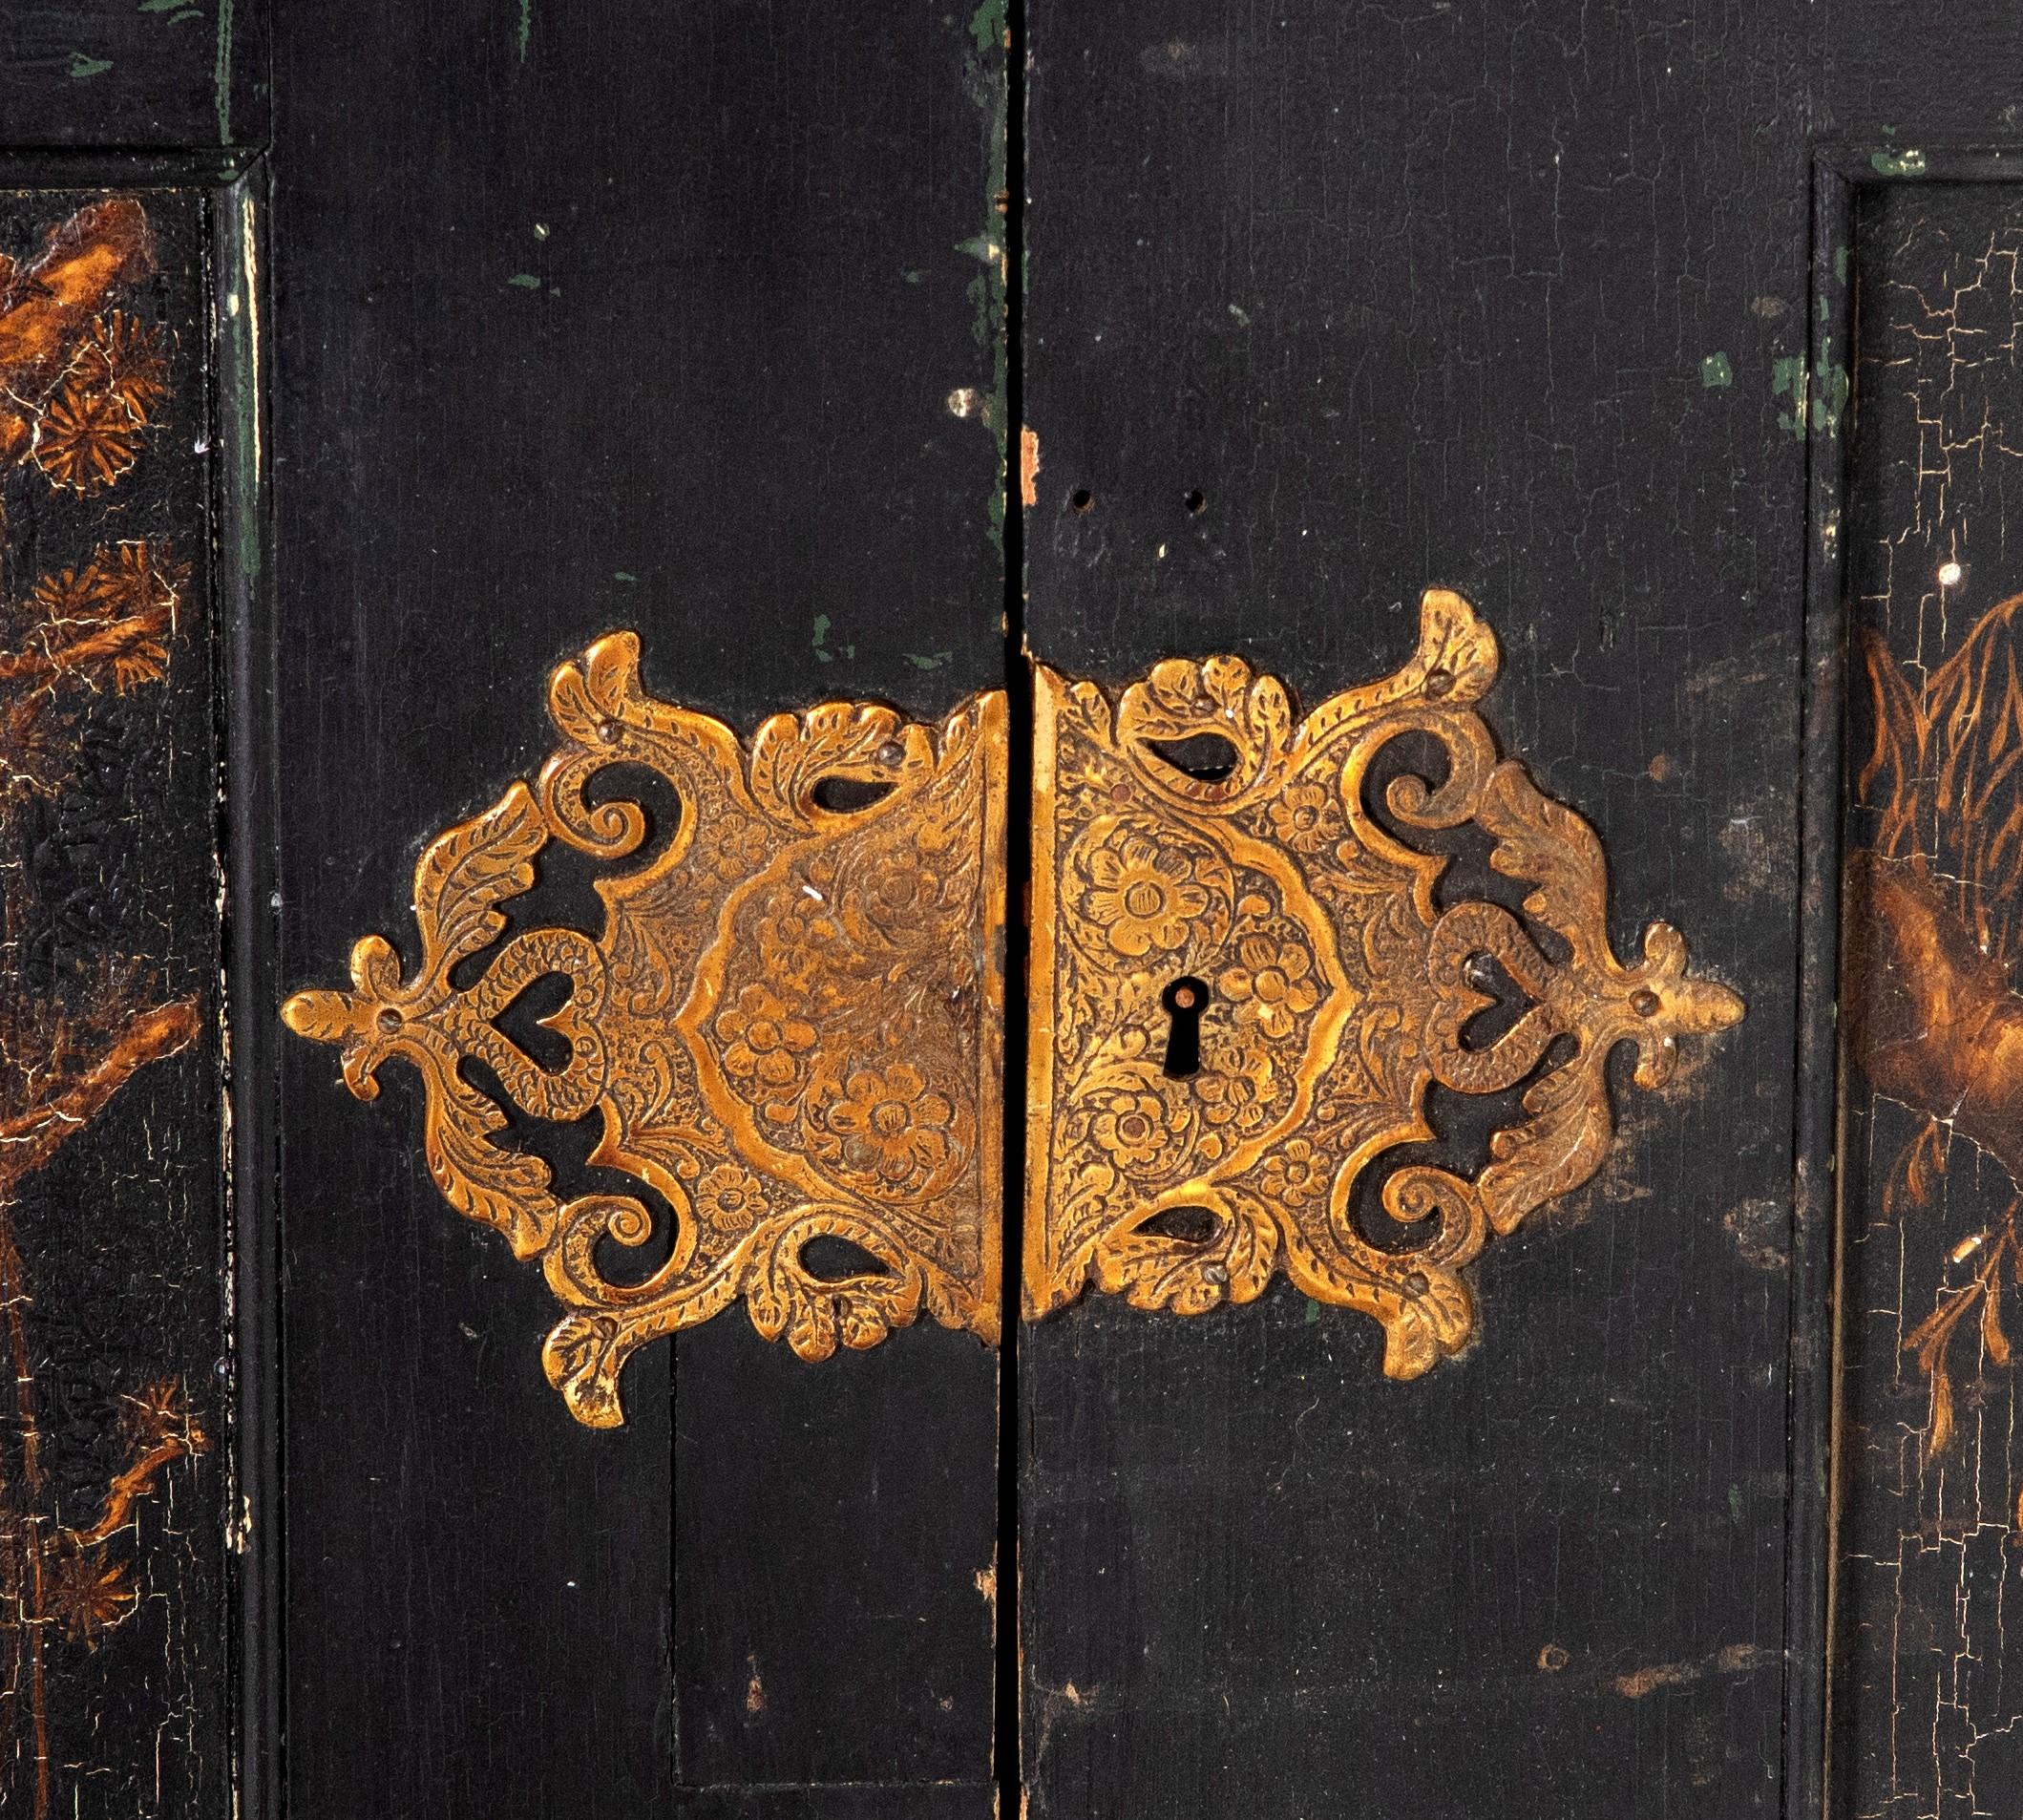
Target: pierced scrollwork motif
[(791, 1026), (1338, 989)]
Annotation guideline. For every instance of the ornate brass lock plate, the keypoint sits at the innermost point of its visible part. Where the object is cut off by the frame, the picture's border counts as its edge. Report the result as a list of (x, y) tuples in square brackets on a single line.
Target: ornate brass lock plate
[(1243, 987), (1324, 989), (791, 1024)]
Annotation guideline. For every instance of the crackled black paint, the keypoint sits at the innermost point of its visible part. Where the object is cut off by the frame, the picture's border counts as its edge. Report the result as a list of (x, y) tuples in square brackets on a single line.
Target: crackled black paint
[(109, 863)]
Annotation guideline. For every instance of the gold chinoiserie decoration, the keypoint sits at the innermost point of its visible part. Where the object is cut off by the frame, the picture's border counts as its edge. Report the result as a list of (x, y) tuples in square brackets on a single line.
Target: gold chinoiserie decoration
[(789, 1028), (1244, 983)]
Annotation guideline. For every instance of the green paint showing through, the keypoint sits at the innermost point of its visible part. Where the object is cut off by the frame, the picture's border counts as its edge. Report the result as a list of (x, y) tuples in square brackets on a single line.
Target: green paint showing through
[(986, 79), (1819, 398), (932, 663), (822, 651), (1734, 1502), (526, 25), (1832, 389), (239, 338), (1841, 254), (1908, 163), (987, 25), (623, 575), (1787, 380), (1313, 1311), (221, 72), (83, 66), (1715, 373), (525, 280)]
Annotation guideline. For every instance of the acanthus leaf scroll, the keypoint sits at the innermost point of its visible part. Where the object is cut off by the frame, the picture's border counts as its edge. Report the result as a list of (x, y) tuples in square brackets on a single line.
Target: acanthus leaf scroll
[(1339, 992), (789, 1026)]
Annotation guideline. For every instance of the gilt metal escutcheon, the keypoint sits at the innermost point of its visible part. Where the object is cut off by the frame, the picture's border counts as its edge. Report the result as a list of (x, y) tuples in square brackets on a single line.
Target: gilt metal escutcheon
[(791, 1024), (1334, 992), (1243, 986)]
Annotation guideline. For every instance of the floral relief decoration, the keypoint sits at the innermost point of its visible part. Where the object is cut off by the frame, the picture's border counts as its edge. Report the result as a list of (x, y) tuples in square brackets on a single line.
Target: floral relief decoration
[(790, 1026), (1337, 992)]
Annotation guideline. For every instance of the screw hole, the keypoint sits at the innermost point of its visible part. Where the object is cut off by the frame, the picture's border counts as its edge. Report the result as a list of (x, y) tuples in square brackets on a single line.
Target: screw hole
[(1197, 501), (1080, 499)]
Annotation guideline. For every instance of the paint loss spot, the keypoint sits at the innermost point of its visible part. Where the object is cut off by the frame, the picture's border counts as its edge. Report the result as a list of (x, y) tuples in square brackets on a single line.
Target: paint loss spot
[(1736, 1659), (1908, 163), (1182, 59), (1758, 1229)]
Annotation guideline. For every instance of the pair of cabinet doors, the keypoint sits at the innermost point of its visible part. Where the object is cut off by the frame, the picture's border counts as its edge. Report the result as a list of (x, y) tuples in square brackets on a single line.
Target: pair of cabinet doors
[(1124, 1214)]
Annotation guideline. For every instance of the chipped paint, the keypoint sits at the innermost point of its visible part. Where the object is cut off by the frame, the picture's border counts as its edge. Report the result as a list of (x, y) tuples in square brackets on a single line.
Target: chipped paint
[(221, 72), (1759, 1230), (1830, 389), (1736, 1659), (1908, 163), (1788, 380), (824, 652), (984, 77)]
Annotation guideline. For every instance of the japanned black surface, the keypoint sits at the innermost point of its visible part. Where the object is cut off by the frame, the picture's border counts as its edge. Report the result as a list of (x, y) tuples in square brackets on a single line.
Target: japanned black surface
[(1472, 299), (621, 320)]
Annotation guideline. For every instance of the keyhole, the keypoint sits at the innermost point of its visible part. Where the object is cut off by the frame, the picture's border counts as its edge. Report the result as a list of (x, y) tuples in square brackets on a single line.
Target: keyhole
[(1184, 1001)]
